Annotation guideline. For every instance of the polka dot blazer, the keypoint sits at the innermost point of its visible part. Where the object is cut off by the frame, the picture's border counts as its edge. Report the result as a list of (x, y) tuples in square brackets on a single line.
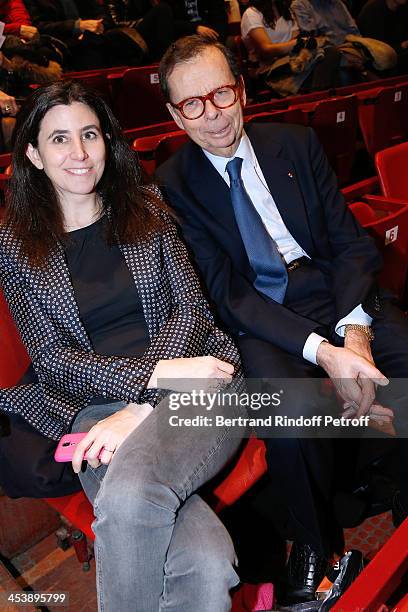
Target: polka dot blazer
[(43, 305)]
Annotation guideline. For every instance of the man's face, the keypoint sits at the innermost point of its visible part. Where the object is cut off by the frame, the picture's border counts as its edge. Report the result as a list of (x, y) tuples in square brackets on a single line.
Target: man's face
[(218, 131)]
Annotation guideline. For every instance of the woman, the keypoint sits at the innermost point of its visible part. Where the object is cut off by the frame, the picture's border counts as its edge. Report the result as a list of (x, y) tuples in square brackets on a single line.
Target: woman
[(268, 30), (111, 314), (286, 61)]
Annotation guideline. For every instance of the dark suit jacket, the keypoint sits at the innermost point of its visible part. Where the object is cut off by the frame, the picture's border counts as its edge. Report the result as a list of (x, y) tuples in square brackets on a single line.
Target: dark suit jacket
[(305, 191), (69, 372), (49, 17)]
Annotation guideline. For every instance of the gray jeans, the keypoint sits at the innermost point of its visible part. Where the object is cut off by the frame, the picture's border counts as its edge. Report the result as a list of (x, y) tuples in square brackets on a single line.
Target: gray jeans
[(158, 545)]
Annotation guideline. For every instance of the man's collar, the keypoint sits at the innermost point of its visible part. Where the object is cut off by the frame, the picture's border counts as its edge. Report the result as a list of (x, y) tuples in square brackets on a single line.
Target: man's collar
[(245, 151)]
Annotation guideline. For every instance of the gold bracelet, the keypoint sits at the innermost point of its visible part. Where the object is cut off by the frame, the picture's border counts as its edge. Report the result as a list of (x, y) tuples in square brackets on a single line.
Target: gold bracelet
[(366, 329)]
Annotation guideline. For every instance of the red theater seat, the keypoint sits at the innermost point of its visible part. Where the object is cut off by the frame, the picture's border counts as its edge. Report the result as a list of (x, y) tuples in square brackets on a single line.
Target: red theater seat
[(137, 97), (335, 121), (285, 115), (392, 167), (383, 116), (387, 222)]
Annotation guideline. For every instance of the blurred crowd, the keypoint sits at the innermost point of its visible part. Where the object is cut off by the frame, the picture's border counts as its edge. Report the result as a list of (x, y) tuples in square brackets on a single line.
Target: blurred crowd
[(288, 45)]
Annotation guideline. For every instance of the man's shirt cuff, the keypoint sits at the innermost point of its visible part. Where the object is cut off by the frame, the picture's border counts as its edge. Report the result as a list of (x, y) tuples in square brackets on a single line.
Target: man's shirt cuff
[(356, 316), (311, 345)]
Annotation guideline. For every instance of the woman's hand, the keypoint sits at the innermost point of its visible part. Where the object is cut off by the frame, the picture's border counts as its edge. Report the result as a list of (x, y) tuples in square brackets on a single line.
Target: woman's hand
[(104, 438), (178, 373), (8, 104), (28, 32)]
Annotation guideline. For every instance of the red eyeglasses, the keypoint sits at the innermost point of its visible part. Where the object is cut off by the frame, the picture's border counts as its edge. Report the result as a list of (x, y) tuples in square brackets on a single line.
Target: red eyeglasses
[(222, 97)]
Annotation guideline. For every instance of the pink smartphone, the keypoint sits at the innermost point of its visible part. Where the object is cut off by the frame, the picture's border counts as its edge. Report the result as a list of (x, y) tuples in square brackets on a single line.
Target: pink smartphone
[(67, 445)]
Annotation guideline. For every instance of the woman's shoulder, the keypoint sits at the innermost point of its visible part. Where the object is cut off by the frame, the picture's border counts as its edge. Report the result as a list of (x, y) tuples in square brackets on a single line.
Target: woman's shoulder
[(10, 249), (250, 15), (156, 204), (8, 242)]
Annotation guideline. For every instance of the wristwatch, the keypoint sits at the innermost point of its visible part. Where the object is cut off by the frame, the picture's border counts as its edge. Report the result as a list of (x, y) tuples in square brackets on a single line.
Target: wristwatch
[(366, 329)]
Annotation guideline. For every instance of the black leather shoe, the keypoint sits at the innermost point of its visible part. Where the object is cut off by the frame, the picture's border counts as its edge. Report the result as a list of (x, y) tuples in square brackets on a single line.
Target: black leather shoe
[(304, 572), (399, 507)]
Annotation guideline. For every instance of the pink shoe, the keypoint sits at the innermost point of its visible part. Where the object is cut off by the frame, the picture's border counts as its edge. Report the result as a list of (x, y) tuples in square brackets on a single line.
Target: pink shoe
[(253, 598)]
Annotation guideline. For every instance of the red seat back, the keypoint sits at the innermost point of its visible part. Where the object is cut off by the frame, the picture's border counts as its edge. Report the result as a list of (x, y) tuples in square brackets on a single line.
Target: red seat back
[(335, 121), (137, 98), (392, 167), (286, 115), (363, 212), (169, 145), (96, 80), (14, 360), (383, 117)]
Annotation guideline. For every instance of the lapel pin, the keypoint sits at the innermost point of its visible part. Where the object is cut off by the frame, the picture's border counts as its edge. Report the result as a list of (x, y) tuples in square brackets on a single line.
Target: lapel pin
[(290, 174)]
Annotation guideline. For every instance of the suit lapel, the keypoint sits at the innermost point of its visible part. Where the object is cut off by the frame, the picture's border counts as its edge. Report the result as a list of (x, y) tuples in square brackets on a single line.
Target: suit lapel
[(211, 189), (280, 175), (281, 178)]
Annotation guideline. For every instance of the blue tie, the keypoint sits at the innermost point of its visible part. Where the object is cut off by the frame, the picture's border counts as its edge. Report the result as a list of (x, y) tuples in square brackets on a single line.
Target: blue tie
[(264, 257)]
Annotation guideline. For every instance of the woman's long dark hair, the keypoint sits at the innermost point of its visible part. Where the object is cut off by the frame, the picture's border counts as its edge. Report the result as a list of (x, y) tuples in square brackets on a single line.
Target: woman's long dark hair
[(266, 7), (33, 211)]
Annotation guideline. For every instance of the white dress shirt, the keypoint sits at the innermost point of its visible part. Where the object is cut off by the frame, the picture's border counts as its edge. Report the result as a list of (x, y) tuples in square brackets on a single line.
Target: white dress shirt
[(261, 197)]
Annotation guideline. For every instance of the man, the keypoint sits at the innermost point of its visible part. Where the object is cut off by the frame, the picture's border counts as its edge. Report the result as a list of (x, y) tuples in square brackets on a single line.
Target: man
[(387, 20), (203, 17), (80, 25), (286, 286)]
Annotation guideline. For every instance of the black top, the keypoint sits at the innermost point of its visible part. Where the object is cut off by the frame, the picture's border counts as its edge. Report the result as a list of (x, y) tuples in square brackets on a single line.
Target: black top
[(109, 304)]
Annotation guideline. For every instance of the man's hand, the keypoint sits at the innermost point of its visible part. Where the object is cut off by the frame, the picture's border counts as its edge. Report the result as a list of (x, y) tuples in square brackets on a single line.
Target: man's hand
[(92, 25), (28, 32), (354, 376), (357, 341), (104, 438), (207, 32), (404, 45)]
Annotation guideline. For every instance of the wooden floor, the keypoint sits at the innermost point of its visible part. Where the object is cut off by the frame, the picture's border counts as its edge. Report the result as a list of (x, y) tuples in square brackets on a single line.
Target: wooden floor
[(45, 567)]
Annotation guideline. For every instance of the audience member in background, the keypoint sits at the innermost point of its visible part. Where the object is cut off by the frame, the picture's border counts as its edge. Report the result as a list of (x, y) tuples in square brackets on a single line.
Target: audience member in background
[(80, 24), (9, 109), (271, 36), (332, 19), (8, 104), (21, 66), (145, 28), (148, 25), (203, 17), (17, 19), (387, 20), (329, 18)]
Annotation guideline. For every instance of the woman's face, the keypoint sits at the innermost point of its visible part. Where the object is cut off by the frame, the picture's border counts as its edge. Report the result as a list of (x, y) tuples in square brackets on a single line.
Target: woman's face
[(71, 150)]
